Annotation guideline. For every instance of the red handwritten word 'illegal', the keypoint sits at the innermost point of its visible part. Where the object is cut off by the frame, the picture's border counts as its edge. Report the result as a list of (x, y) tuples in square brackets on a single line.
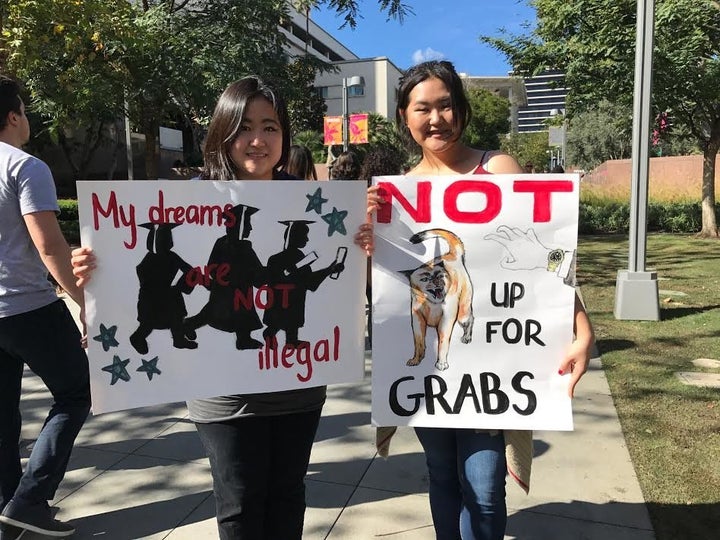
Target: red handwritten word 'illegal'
[(541, 190)]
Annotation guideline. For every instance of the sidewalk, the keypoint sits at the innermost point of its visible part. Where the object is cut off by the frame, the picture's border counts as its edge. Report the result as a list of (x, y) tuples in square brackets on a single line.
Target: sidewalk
[(142, 474)]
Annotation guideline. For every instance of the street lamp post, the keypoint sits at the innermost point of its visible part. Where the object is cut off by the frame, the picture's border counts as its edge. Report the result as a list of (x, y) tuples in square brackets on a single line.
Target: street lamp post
[(560, 133), (348, 82)]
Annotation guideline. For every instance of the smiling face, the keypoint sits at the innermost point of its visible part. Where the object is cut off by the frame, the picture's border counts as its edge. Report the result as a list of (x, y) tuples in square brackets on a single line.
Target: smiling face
[(429, 116), (257, 148)]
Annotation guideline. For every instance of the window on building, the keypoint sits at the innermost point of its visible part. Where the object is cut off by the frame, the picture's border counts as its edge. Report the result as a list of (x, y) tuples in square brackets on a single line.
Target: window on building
[(355, 91), (322, 91)]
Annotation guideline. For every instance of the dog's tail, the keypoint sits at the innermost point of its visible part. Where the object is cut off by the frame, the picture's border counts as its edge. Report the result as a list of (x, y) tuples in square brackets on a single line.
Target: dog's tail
[(457, 248)]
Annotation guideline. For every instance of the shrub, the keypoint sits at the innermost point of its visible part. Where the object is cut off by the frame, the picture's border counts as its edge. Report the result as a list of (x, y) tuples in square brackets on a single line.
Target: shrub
[(599, 216), (68, 220)]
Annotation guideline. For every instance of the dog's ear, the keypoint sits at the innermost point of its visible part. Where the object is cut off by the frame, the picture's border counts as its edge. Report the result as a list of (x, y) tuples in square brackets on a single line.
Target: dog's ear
[(406, 273)]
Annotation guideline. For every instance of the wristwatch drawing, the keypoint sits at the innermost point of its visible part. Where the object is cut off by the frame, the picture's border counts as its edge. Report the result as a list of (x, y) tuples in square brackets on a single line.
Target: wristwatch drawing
[(561, 263), (555, 259)]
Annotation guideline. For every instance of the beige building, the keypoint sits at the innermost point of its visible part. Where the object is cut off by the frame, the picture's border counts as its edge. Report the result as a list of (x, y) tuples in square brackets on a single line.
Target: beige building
[(378, 93)]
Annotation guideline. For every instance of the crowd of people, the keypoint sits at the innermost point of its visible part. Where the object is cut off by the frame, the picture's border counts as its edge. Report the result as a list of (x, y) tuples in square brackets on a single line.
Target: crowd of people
[(258, 485)]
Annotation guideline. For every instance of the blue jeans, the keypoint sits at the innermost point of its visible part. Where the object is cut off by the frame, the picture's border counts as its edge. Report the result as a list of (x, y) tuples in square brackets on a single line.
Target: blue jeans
[(48, 341), (467, 482), (258, 465)]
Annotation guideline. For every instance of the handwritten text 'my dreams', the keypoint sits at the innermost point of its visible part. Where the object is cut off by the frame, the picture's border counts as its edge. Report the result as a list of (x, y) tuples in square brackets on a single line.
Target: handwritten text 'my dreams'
[(121, 216)]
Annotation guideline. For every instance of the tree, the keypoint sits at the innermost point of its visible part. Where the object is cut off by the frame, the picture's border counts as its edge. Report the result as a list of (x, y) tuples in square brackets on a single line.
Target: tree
[(593, 41), (350, 11), (306, 107), (167, 59), (67, 56), (489, 119), (599, 134), (528, 148)]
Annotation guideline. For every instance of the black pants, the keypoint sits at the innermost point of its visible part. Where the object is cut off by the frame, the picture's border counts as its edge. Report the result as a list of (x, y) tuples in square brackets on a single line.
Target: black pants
[(258, 466), (48, 341)]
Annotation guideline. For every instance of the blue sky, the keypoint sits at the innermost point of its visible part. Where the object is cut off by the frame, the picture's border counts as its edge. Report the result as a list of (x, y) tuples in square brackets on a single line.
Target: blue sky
[(439, 29)]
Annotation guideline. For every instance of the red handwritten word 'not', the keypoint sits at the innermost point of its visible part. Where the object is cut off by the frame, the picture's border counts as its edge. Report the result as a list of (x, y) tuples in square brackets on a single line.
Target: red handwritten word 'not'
[(541, 190)]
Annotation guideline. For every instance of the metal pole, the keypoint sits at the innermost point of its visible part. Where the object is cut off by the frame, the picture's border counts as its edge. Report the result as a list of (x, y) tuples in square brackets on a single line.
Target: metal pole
[(345, 123), (128, 144), (636, 293), (641, 128)]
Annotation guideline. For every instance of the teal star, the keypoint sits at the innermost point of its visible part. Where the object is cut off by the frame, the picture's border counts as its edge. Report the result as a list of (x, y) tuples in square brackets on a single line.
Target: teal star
[(315, 201), (117, 370), (107, 337), (335, 221), (149, 367)]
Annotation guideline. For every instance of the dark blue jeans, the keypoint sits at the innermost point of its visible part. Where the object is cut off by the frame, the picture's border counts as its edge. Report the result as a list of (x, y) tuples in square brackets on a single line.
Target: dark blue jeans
[(258, 465), (48, 341), (467, 482)]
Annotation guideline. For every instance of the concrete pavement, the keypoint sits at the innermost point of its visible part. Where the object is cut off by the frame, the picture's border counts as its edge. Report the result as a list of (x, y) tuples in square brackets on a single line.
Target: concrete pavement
[(142, 474)]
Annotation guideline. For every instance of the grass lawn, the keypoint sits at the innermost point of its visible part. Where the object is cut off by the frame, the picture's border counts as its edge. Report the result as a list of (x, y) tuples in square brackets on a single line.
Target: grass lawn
[(672, 430)]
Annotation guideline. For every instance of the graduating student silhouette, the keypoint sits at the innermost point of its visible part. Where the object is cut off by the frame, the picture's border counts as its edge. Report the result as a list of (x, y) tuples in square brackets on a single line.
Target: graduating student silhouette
[(290, 269), (231, 307), (160, 303)]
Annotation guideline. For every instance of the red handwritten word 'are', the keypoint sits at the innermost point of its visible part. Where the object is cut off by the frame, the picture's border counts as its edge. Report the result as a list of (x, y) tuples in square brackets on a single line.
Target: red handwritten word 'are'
[(541, 190)]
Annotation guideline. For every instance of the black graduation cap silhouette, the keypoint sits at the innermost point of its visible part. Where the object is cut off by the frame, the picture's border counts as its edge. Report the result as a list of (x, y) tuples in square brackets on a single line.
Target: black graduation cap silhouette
[(159, 237), (293, 226), (242, 213)]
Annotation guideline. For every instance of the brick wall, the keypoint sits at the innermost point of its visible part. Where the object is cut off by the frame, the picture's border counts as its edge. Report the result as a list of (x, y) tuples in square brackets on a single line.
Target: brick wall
[(673, 177)]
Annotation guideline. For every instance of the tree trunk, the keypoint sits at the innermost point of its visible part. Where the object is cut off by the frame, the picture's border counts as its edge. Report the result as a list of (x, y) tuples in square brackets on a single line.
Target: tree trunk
[(152, 155), (709, 221)]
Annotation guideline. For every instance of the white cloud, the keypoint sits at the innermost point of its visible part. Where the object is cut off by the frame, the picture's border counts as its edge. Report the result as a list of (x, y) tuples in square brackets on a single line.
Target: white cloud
[(427, 54)]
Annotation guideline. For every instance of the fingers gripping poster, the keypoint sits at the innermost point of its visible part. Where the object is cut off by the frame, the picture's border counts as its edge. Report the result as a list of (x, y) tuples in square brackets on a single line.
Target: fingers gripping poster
[(213, 288), (473, 300)]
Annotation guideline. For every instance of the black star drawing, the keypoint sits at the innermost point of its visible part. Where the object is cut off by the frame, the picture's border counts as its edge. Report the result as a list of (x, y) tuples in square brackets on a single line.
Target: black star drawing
[(118, 370), (335, 221), (107, 337), (315, 201), (149, 367)]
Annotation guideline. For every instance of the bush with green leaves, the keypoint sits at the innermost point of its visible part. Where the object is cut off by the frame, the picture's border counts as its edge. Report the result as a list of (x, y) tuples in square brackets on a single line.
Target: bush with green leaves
[(599, 216)]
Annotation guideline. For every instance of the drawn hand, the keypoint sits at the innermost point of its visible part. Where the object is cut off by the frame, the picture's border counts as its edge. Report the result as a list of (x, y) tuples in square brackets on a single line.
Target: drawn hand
[(83, 264), (336, 268), (524, 250)]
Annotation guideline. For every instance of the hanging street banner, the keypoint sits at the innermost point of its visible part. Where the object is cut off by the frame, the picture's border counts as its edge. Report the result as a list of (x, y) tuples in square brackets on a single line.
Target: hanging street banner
[(359, 128), (332, 130), (473, 301), (213, 288)]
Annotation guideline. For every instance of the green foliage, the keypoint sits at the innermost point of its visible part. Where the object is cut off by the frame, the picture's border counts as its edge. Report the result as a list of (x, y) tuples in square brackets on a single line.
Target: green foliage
[(489, 119), (528, 148), (593, 42), (306, 107), (598, 216), (68, 220), (68, 209), (598, 134), (350, 12), (313, 140), (382, 133)]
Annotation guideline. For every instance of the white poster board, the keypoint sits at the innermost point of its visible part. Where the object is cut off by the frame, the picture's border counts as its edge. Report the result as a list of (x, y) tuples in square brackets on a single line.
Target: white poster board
[(213, 288), (473, 301)]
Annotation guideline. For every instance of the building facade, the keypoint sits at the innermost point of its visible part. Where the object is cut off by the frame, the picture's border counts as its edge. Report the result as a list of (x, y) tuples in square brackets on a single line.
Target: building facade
[(546, 95)]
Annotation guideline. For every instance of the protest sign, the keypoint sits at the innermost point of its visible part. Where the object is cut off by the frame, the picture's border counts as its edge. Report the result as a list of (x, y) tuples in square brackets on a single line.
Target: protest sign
[(213, 288), (473, 301)]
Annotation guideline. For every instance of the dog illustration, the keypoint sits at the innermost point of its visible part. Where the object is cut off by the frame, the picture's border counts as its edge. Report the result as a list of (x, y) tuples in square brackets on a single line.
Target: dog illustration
[(441, 295)]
